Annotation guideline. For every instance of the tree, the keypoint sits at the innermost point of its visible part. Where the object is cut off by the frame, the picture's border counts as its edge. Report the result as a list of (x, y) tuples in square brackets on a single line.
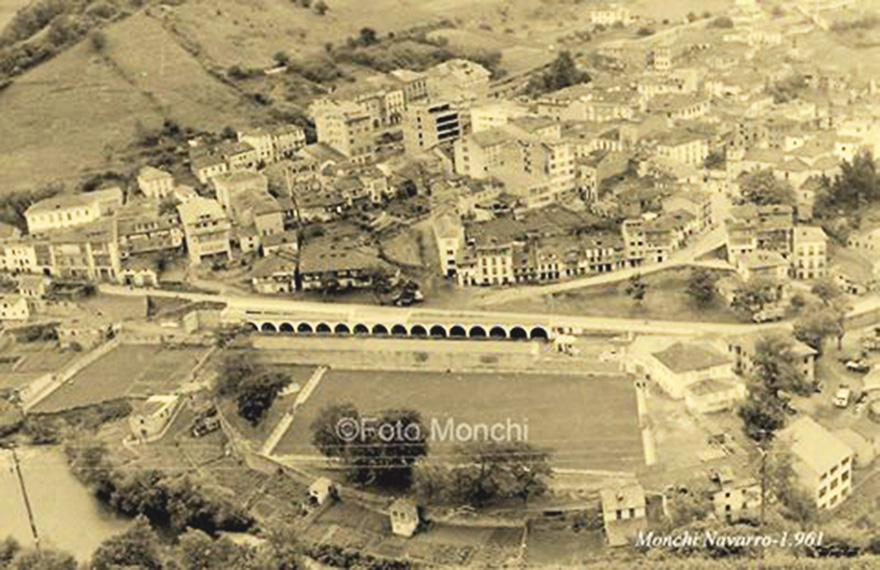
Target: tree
[(321, 7), (782, 481), (814, 327), (690, 505), (196, 550), (775, 366), (368, 37), (563, 72), (380, 450), (281, 58), (256, 396), (827, 290), (98, 41), (702, 286), (754, 295), (715, 160), (46, 559), (636, 288), (236, 367), (855, 186), (762, 413), (723, 22), (484, 472), (763, 188), (137, 547)]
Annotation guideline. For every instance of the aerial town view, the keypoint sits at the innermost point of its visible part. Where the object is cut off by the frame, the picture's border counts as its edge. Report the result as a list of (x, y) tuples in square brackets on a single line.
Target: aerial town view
[(405, 284)]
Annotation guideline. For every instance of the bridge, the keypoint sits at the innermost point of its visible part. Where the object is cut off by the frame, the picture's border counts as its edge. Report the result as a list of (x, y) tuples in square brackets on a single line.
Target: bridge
[(362, 321)]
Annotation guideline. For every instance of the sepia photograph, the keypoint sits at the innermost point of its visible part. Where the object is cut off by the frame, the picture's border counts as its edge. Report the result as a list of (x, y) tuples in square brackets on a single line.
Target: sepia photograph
[(439, 284)]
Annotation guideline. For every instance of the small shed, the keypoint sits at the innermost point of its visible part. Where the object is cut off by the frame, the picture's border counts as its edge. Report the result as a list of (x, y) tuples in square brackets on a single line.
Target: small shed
[(404, 517), (322, 490)]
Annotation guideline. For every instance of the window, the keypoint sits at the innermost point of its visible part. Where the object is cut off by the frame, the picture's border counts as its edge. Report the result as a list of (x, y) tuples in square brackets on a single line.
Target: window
[(822, 492)]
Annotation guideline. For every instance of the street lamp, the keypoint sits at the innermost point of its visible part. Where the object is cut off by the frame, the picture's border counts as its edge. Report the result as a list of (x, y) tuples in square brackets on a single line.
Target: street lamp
[(16, 466)]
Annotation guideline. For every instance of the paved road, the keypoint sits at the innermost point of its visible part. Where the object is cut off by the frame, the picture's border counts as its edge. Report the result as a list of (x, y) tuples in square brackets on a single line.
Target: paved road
[(280, 308)]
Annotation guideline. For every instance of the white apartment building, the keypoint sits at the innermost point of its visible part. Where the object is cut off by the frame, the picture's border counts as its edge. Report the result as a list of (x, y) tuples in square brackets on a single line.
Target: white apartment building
[(70, 210)]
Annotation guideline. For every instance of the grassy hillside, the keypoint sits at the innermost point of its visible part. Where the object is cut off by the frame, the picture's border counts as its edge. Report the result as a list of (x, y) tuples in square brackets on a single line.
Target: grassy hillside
[(8, 9)]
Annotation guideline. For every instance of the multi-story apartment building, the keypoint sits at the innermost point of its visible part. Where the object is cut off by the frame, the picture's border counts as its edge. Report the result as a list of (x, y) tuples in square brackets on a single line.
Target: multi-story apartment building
[(207, 162), (751, 227), (822, 462), (274, 143), (610, 15), (347, 127), (683, 146), (206, 228), (89, 252), (649, 240), (810, 260), (71, 210), (155, 183), (486, 264), (427, 125), (144, 229), (449, 235), (498, 114)]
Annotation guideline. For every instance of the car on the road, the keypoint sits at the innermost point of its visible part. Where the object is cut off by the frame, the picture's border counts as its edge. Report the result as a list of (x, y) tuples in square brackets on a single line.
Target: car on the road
[(859, 366), (842, 396)]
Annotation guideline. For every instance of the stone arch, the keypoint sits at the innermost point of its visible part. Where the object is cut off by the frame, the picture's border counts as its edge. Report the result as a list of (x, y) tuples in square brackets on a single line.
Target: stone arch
[(361, 329), (380, 330), (418, 330), (252, 327), (323, 328), (498, 332), (399, 330), (477, 332), (286, 328), (304, 328), (457, 331), (438, 331), (342, 329), (518, 333), (268, 328), (539, 333)]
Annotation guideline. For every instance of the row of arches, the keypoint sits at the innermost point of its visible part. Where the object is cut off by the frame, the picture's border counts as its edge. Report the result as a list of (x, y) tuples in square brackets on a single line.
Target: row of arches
[(402, 331)]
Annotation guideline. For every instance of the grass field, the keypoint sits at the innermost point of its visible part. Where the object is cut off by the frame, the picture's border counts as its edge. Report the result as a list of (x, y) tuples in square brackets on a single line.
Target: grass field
[(589, 423), (665, 300), (128, 371), (8, 8)]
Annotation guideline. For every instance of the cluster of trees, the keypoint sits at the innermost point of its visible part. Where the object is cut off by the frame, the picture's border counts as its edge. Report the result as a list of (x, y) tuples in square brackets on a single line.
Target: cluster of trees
[(828, 320), (252, 387), (752, 296), (775, 375), (636, 288), (484, 472), (369, 455), (65, 22), (788, 88), (562, 73), (763, 188), (176, 502), (722, 22), (14, 204), (702, 286), (856, 185), (391, 450), (141, 547)]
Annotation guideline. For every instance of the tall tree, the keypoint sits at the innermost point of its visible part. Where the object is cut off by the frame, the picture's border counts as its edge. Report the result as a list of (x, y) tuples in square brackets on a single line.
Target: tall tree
[(763, 188), (702, 286), (484, 472), (636, 288), (137, 547)]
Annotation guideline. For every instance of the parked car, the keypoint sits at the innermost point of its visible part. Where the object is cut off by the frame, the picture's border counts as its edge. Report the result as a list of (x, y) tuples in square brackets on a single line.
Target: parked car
[(859, 366), (842, 396)]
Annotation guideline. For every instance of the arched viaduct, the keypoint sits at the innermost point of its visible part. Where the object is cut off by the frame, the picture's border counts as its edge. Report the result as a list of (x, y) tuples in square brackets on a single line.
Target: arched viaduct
[(402, 325)]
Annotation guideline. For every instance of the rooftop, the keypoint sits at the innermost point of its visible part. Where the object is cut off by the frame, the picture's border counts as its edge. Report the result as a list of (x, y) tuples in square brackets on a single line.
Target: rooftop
[(814, 445), (681, 357)]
